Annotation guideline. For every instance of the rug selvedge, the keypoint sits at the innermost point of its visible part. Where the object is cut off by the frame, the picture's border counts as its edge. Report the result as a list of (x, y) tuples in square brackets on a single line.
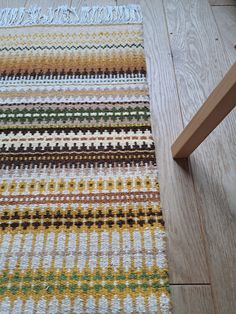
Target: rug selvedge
[(81, 227)]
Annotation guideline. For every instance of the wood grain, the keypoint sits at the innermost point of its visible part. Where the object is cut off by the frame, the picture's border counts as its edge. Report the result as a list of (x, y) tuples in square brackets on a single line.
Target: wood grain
[(76, 3), (44, 4), (186, 254), (222, 2), (200, 62), (216, 107), (192, 299), (12, 3), (225, 17)]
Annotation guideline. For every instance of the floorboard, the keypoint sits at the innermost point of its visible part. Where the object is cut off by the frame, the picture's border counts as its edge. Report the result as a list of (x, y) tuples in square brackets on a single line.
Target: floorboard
[(222, 2), (93, 2), (192, 299), (200, 61), (12, 3), (186, 254), (44, 4), (225, 17)]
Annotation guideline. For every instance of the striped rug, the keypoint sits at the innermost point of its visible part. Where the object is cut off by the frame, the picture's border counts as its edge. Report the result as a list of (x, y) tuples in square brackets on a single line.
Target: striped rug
[(81, 228)]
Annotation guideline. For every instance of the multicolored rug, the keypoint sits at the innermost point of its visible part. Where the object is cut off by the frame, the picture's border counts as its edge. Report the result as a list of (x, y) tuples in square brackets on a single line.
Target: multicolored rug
[(81, 228)]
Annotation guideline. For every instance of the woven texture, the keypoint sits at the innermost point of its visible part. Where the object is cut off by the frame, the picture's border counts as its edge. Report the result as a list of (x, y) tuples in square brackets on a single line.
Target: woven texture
[(80, 217)]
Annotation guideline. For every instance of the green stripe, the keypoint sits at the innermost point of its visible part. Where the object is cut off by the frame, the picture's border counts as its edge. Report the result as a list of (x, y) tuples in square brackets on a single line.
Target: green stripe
[(30, 115), (76, 282)]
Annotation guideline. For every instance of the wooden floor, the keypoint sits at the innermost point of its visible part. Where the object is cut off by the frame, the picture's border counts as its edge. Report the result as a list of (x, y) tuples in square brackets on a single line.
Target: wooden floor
[(189, 46)]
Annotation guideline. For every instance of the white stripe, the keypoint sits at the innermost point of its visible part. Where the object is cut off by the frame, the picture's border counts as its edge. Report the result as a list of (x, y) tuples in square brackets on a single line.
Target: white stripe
[(140, 304), (16, 248), (47, 259), (69, 99), (115, 259), (160, 236), (93, 250), (71, 247), (5, 245), (90, 305), (149, 247), (73, 88), (38, 248), (58, 263), (137, 249), (161, 259), (104, 249), (66, 306), (137, 78), (115, 305), (82, 251), (127, 250), (152, 304), (17, 306), (5, 305), (53, 306), (148, 304), (29, 306), (79, 306), (41, 307), (28, 175), (26, 250), (164, 304), (128, 305), (102, 305)]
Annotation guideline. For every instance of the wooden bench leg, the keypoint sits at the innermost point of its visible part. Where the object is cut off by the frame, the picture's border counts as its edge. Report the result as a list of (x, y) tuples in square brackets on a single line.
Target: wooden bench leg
[(220, 102)]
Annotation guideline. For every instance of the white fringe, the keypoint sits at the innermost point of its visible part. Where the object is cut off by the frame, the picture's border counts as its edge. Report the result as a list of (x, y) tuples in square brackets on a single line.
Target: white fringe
[(66, 15)]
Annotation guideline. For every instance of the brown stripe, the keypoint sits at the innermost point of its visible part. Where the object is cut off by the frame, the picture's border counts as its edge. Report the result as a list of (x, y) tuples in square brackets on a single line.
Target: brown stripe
[(99, 198)]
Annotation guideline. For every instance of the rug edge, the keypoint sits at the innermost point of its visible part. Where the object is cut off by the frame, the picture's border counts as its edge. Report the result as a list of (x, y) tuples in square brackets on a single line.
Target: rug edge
[(65, 15)]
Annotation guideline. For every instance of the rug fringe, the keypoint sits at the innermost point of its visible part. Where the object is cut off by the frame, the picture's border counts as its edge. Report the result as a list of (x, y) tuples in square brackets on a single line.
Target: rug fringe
[(66, 15)]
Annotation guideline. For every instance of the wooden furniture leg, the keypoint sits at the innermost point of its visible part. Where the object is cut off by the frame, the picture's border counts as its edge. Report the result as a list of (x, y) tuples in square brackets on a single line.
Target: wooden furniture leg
[(220, 102)]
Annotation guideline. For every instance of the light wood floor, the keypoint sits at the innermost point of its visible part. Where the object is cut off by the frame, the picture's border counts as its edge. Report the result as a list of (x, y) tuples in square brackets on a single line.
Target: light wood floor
[(189, 46)]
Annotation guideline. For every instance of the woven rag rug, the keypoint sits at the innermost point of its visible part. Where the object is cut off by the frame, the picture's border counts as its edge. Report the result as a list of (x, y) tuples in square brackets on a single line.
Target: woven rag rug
[(81, 228)]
